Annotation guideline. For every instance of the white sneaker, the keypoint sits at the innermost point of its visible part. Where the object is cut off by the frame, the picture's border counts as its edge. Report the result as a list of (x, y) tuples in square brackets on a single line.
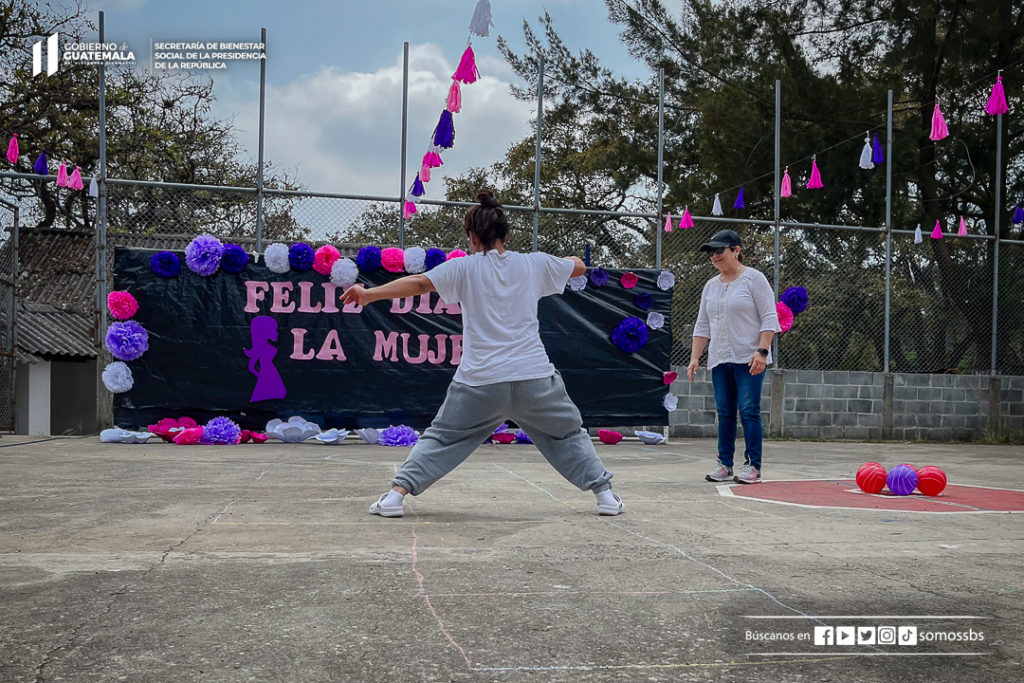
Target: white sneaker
[(616, 509), (720, 473), (379, 508), (749, 475)]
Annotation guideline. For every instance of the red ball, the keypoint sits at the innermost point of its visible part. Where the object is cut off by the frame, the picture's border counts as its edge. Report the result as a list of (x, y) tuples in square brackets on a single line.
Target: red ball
[(931, 480), (871, 477)]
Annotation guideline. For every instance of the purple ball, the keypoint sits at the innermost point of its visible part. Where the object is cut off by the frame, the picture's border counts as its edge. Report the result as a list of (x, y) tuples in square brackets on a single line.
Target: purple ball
[(901, 480)]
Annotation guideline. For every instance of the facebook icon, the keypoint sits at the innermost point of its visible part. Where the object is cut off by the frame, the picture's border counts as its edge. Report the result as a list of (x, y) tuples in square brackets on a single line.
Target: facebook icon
[(824, 635)]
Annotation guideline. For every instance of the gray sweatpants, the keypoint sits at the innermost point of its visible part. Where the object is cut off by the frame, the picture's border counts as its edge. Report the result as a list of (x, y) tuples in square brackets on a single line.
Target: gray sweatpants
[(541, 407)]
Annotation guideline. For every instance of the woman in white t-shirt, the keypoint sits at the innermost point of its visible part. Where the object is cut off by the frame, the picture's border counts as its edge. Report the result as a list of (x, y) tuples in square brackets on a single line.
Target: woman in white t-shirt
[(737, 314), (504, 371)]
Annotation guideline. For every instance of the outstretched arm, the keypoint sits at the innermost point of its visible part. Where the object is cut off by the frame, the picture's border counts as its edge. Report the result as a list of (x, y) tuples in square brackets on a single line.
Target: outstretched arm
[(410, 285), (579, 268)]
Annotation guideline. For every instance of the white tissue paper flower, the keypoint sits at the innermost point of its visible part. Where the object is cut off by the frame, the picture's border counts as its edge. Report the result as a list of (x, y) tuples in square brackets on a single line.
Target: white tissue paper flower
[(655, 320), (276, 258), (670, 402), (651, 438), (577, 283), (117, 377), (344, 273), (415, 260), (666, 280)]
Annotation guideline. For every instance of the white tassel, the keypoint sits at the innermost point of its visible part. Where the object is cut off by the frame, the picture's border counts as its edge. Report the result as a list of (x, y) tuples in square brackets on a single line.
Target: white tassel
[(918, 237), (865, 155), (94, 190), (716, 210), (481, 22)]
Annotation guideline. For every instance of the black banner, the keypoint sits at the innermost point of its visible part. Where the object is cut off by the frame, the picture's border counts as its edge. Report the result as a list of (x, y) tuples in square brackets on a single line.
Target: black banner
[(258, 345)]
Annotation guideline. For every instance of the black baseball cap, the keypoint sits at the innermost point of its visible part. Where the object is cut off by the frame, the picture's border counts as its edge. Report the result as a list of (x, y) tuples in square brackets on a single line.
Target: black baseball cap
[(722, 238)]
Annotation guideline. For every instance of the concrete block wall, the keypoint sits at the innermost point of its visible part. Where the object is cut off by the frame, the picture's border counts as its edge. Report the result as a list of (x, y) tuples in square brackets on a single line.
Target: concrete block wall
[(840, 404)]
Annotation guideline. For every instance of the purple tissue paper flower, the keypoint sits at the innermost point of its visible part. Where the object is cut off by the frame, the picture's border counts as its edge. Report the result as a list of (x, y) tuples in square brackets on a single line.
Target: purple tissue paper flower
[(435, 257), (222, 431), (165, 264), (234, 259), (521, 437), (644, 300), (401, 435), (301, 256), (630, 335), (599, 277), (368, 259), (202, 255), (796, 299), (127, 340)]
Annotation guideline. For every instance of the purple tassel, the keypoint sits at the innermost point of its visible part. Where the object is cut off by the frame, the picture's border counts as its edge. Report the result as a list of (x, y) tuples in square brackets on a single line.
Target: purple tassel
[(876, 151), (739, 204), (12, 149), (40, 165), (417, 187), (1018, 215), (444, 133), (997, 100)]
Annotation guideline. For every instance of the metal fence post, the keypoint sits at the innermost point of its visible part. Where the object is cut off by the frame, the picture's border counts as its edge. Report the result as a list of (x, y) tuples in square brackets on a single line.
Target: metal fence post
[(888, 228), (405, 131), (776, 246), (259, 169), (661, 157), (536, 160), (995, 254), (104, 400)]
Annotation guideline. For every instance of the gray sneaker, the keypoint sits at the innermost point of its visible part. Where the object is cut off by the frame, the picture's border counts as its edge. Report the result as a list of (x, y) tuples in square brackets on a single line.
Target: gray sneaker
[(617, 509), (749, 475), (720, 473)]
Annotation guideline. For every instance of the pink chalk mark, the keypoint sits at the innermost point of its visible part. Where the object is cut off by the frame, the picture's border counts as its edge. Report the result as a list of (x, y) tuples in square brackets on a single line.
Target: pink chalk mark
[(426, 598)]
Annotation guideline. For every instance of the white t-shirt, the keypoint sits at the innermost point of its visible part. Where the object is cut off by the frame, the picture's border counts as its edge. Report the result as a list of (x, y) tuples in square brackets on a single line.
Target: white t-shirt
[(498, 294), (733, 315)]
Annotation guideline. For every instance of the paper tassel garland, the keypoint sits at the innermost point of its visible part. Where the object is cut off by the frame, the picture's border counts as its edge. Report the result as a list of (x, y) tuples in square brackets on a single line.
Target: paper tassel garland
[(686, 222), (40, 165), (876, 151), (417, 187), (467, 71), (716, 208), (1018, 216), (12, 149), (62, 175), (668, 222), (996, 101), (815, 182), (937, 231), (865, 154), (410, 209), (962, 232), (739, 203), (75, 182), (939, 130), (918, 237), (455, 98), (444, 133), (786, 188), (481, 22)]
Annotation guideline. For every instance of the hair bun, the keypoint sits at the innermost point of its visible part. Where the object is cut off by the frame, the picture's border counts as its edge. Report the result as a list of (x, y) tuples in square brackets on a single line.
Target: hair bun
[(486, 198)]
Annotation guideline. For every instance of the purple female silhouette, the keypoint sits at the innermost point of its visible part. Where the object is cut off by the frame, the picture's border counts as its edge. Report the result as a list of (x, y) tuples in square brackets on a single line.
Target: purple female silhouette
[(269, 384)]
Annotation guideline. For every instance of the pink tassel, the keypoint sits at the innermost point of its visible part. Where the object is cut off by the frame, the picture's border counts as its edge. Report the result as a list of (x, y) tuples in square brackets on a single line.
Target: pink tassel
[(467, 71), (686, 222), (425, 173), (62, 175), (432, 159), (815, 182), (12, 149), (455, 98), (75, 182), (786, 189), (937, 232), (997, 100), (939, 130), (962, 232), (668, 222), (410, 209)]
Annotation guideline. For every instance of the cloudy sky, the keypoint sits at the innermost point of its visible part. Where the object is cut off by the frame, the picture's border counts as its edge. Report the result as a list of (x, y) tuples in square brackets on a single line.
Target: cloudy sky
[(334, 77)]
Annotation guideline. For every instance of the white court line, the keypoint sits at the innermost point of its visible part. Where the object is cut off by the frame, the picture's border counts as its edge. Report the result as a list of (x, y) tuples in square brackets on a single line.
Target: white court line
[(214, 521), (870, 654), (867, 616)]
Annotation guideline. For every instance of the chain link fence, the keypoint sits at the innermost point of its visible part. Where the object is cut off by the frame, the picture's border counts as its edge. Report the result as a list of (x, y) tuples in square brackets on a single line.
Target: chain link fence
[(8, 276)]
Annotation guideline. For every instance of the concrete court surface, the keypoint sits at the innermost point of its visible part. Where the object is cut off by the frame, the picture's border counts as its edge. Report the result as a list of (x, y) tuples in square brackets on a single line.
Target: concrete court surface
[(260, 563)]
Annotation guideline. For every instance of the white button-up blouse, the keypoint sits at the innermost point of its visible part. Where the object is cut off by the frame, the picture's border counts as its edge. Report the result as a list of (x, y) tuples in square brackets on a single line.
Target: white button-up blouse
[(733, 315)]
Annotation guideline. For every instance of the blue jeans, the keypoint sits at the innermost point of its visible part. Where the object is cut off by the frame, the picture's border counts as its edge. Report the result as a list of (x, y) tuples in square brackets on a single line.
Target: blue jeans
[(736, 388)]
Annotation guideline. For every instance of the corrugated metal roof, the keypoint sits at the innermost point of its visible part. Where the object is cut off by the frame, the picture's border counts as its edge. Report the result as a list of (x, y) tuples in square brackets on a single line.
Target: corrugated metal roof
[(57, 267), (49, 331)]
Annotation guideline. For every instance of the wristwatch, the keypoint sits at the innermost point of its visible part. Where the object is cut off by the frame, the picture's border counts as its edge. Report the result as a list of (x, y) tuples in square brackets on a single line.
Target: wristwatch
[(763, 352)]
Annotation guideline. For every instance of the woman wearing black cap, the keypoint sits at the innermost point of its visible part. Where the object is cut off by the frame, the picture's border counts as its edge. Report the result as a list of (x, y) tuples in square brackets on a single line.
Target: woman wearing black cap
[(737, 315)]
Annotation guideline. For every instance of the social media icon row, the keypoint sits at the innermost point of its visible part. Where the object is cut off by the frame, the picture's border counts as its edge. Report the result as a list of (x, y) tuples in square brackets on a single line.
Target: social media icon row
[(865, 635)]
